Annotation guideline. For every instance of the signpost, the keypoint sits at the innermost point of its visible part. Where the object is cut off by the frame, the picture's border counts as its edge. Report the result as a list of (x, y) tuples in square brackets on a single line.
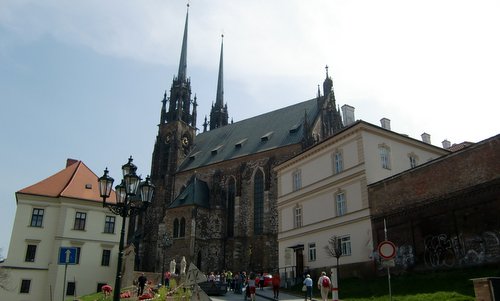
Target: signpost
[(387, 250), (67, 255)]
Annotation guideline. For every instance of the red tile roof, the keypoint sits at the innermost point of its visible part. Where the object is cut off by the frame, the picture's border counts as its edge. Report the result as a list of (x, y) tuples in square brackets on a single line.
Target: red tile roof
[(75, 181)]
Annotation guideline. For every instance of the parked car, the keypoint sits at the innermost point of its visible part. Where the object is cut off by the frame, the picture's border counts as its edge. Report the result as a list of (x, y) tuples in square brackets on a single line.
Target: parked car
[(268, 280)]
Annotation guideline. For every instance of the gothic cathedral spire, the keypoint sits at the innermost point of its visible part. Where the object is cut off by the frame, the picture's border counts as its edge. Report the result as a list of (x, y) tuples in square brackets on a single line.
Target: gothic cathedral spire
[(218, 113), (330, 115), (180, 92), (176, 134), (181, 75)]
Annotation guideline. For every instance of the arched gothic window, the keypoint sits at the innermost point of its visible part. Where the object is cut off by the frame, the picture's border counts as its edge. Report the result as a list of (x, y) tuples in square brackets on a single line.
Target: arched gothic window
[(182, 230), (258, 203), (231, 195), (176, 228)]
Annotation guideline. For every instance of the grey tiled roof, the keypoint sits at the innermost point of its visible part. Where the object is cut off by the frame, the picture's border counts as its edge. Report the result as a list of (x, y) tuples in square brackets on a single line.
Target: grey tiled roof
[(250, 136), (196, 193)]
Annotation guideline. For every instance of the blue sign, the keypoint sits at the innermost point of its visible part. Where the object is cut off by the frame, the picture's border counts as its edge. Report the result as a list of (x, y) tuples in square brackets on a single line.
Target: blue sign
[(67, 255)]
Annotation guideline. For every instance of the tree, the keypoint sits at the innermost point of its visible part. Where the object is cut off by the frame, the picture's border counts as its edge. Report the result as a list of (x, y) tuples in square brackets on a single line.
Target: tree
[(334, 247), (4, 274)]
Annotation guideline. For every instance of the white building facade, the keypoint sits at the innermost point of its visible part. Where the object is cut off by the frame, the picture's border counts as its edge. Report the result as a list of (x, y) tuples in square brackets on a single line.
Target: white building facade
[(62, 212), (322, 192)]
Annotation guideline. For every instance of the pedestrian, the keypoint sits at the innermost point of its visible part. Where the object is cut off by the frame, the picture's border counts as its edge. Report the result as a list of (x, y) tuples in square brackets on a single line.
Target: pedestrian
[(251, 286), (229, 279), (261, 281), (276, 281), (167, 279), (142, 282), (324, 285), (309, 287)]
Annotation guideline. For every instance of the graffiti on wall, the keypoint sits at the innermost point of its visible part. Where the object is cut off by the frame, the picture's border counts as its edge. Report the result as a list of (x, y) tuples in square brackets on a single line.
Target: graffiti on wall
[(451, 251), (446, 251), (404, 259)]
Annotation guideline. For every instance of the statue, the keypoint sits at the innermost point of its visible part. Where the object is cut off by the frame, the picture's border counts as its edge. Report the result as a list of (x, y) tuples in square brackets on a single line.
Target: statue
[(172, 266), (183, 265)]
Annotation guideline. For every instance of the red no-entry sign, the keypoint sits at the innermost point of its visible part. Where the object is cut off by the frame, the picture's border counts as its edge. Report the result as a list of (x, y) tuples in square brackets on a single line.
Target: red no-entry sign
[(387, 249)]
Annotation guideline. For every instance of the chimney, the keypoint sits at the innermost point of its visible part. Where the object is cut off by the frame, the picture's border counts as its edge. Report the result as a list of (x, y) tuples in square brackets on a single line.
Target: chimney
[(385, 123), (446, 144), (348, 114), (70, 162), (426, 138)]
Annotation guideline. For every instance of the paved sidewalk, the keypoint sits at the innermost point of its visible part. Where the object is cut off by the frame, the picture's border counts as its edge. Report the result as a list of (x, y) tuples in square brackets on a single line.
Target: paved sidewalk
[(268, 294)]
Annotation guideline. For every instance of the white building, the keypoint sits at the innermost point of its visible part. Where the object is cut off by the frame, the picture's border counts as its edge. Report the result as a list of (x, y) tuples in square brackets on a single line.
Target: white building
[(323, 192), (62, 211)]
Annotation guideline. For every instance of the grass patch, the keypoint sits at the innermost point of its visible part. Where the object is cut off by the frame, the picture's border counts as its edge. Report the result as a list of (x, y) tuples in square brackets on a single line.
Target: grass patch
[(453, 285)]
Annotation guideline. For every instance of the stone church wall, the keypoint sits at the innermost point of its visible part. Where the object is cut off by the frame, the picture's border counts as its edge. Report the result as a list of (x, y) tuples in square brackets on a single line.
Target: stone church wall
[(244, 251)]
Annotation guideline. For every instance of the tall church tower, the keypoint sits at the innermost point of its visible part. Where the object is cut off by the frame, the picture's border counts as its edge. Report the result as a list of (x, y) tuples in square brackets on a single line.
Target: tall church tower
[(330, 114), (218, 113), (176, 133)]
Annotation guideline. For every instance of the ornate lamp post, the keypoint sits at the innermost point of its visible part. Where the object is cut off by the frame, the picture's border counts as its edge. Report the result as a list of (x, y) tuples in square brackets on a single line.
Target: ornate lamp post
[(165, 242), (126, 205)]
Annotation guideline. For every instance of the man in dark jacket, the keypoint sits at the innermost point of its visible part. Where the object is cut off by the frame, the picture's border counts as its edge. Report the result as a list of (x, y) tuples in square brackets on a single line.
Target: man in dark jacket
[(142, 282)]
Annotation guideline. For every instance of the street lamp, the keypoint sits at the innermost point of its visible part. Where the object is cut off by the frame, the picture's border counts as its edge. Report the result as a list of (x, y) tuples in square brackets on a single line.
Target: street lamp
[(165, 243), (126, 205)]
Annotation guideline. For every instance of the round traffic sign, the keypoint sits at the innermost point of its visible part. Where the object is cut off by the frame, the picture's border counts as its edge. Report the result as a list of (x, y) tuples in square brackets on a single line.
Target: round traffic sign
[(387, 249)]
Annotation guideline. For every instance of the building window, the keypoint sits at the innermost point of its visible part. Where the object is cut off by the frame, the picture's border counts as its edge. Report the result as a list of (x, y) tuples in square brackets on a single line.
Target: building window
[(338, 162), (385, 156), (30, 253), (70, 288), (345, 242), (297, 180), (109, 224), (106, 255), (312, 252), (25, 286), (78, 253), (340, 204), (231, 196), (258, 203), (413, 160), (176, 228), (182, 230), (297, 218), (99, 286), (37, 217), (80, 219)]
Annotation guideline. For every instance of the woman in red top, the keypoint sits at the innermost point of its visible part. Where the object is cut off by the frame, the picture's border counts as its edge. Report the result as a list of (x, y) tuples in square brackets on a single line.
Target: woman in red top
[(276, 285)]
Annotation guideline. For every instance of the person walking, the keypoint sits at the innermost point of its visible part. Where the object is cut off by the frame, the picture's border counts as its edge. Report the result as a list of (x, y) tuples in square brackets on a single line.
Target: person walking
[(252, 286), (142, 282), (276, 281), (324, 285), (167, 279), (309, 287)]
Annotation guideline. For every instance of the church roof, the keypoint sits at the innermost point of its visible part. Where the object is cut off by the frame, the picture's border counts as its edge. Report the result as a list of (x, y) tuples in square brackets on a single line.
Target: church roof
[(75, 181), (261, 133), (196, 193)]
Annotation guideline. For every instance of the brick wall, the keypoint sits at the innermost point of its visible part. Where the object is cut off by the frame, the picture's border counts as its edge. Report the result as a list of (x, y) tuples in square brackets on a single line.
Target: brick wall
[(443, 214)]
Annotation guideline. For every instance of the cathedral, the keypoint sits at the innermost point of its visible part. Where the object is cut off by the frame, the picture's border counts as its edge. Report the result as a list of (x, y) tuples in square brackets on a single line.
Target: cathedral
[(216, 191)]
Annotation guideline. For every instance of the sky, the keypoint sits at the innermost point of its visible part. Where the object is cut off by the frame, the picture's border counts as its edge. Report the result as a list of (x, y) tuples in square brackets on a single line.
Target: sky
[(85, 79)]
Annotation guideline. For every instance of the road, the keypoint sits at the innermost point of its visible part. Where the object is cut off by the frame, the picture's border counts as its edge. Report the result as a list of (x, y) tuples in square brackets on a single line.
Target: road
[(261, 295)]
